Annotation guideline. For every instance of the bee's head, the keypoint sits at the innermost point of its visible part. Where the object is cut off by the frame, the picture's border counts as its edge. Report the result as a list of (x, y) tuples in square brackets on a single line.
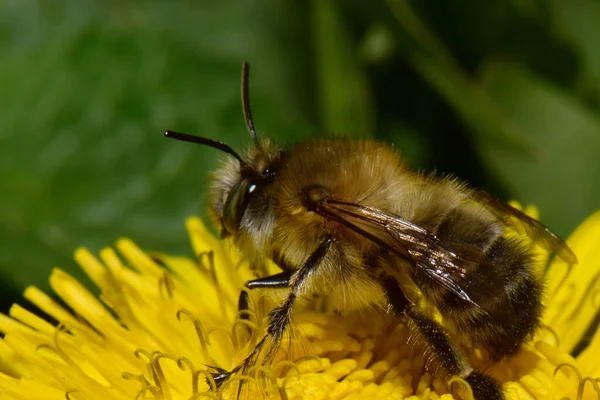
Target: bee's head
[(239, 189), (241, 179)]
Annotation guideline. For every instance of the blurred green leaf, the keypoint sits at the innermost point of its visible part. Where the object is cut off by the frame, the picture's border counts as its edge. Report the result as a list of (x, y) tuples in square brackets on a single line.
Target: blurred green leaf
[(345, 101), (85, 95), (432, 60), (577, 21), (562, 177)]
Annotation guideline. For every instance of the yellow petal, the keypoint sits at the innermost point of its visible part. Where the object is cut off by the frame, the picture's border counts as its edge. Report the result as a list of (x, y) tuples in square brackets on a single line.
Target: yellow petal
[(571, 289)]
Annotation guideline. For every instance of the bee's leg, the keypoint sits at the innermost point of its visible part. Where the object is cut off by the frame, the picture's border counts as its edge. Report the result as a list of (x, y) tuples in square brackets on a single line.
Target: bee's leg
[(277, 281), (280, 317), (443, 350)]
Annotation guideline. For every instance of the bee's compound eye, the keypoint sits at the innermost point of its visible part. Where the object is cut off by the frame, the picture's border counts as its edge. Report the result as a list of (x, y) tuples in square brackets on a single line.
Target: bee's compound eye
[(236, 204)]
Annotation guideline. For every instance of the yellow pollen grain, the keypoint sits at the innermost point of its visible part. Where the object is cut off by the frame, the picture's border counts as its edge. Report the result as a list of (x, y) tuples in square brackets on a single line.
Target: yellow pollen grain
[(341, 368), (369, 392), (362, 358), (362, 375), (390, 375), (313, 365), (315, 331), (345, 388), (379, 368), (403, 385), (327, 345)]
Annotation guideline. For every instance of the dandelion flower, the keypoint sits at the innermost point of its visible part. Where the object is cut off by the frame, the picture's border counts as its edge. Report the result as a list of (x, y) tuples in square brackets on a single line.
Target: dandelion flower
[(161, 320)]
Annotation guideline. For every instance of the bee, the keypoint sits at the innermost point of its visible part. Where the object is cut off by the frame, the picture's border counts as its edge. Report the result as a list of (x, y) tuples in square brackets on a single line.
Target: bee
[(347, 218)]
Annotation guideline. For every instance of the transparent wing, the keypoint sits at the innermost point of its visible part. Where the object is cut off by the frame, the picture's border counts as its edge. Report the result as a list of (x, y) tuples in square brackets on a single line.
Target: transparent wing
[(409, 241), (521, 222)]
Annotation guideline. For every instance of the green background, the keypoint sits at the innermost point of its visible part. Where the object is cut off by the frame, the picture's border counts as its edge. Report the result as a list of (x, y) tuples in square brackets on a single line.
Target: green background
[(503, 93)]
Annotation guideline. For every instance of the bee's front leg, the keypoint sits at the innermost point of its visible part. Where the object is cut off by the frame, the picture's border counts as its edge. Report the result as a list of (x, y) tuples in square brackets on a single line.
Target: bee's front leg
[(280, 317), (277, 281)]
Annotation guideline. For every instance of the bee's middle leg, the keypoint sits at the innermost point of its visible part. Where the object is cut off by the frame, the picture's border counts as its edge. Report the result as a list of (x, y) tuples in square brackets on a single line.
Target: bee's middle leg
[(443, 350)]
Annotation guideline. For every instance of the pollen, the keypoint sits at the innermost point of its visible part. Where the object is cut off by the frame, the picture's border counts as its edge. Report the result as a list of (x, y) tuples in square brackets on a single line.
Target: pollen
[(163, 325)]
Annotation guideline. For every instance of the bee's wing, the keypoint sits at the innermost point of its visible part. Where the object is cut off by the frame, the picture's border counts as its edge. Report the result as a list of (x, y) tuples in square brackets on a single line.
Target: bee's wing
[(411, 242), (519, 221)]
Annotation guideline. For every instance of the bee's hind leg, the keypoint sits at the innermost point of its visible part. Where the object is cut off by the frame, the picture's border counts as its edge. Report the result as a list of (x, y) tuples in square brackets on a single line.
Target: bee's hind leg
[(443, 351)]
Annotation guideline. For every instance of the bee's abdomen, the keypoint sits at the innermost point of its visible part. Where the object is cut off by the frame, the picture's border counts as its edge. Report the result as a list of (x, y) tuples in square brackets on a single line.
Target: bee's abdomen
[(508, 292), (503, 285), (472, 226)]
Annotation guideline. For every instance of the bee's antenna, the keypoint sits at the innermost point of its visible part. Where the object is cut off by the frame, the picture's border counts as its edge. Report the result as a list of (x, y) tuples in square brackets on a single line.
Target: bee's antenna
[(206, 142), (246, 102)]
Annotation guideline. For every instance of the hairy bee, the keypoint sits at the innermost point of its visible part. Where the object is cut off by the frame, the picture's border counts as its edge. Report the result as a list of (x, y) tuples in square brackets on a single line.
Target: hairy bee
[(348, 218)]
